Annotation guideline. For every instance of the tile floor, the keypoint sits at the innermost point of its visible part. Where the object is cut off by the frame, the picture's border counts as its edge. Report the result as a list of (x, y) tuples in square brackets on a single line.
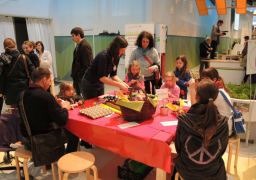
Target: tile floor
[(107, 163)]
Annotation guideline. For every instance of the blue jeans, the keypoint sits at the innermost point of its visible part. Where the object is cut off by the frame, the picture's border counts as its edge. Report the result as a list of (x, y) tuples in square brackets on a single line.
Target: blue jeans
[(90, 90)]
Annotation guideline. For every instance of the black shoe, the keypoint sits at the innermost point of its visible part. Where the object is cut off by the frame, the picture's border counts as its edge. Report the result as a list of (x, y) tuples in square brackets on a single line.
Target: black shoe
[(85, 144), (48, 166)]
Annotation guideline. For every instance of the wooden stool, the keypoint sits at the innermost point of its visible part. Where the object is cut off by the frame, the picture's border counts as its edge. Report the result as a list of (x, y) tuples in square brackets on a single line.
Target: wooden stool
[(230, 144), (76, 162), (177, 176), (26, 155)]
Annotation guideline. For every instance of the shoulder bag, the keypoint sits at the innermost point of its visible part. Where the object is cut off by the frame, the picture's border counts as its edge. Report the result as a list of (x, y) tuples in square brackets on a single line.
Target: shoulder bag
[(26, 67), (157, 74), (238, 124), (46, 148)]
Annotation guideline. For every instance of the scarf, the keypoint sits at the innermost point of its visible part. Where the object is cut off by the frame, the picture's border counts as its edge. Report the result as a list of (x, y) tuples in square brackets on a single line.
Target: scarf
[(5, 59), (144, 52)]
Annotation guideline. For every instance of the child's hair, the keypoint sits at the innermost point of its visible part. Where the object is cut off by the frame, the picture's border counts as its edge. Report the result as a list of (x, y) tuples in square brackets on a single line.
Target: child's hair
[(65, 86), (171, 75), (185, 67), (212, 73), (134, 63), (207, 117), (30, 44)]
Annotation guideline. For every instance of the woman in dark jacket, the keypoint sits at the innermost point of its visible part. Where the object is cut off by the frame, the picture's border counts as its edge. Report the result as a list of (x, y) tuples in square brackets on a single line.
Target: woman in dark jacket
[(13, 77), (202, 137), (28, 47), (104, 64)]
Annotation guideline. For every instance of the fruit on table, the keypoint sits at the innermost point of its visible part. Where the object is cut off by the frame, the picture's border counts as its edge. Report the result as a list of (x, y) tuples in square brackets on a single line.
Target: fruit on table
[(121, 95), (172, 107)]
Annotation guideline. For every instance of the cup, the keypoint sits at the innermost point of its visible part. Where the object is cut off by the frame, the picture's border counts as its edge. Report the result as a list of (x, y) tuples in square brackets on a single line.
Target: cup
[(164, 110)]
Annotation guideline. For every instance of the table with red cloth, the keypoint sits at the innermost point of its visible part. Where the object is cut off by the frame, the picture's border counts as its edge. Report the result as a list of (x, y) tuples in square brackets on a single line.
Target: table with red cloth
[(147, 143)]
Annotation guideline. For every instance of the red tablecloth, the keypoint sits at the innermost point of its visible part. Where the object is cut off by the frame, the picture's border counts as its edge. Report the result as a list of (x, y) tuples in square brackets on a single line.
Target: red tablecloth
[(147, 143)]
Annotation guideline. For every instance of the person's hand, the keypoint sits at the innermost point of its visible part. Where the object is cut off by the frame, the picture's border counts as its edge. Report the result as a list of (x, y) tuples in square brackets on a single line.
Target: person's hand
[(221, 34), (75, 105), (192, 83), (170, 94), (66, 105), (132, 81), (59, 101), (80, 102), (123, 87), (139, 84), (177, 79), (151, 69)]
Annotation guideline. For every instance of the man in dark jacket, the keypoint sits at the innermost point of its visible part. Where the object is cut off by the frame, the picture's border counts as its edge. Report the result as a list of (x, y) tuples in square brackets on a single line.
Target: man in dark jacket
[(42, 110), (204, 51), (215, 37), (82, 58)]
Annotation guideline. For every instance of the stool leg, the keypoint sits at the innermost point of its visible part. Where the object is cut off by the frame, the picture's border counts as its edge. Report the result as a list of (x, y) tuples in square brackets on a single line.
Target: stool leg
[(18, 167), (44, 170), (177, 175), (229, 157), (88, 174), (79, 146), (95, 172), (25, 169), (66, 176), (237, 152), (53, 172), (60, 174)]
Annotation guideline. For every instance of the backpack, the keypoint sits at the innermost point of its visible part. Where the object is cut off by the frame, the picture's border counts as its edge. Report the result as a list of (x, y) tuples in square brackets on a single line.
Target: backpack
[(238, 124)]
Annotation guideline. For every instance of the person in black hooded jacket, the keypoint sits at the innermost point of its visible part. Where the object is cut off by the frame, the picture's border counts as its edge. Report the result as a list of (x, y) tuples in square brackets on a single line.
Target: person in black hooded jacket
[(202, 137)]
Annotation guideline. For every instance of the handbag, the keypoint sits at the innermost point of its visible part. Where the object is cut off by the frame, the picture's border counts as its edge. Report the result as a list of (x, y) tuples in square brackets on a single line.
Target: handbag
[(157, 76), (26, 68), (46, 148), (238, 124)]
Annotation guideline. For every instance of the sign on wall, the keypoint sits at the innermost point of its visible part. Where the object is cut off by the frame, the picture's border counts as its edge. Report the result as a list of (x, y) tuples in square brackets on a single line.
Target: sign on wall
[(131, 33)]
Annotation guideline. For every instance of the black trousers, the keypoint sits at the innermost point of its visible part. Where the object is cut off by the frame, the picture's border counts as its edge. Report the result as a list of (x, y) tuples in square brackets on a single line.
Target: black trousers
[(147, 86), (214, 48), (1, 104), (202, 64), (245, 76), (77, 86)]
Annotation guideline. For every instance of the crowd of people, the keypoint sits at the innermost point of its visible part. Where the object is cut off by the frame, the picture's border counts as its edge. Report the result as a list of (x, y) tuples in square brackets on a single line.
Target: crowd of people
[(204, 126)]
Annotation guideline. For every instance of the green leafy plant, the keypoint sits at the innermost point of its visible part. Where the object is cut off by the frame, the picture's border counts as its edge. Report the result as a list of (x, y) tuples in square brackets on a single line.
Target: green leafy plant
[(240, 92), (234, 42)]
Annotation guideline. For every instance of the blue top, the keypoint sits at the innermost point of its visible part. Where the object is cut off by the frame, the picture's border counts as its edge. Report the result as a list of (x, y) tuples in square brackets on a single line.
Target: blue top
[(101, 66), (181, 82)]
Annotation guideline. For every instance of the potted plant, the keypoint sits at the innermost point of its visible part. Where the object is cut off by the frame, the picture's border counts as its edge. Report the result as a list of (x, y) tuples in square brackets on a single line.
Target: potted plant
[(235, 41), (240, 99)]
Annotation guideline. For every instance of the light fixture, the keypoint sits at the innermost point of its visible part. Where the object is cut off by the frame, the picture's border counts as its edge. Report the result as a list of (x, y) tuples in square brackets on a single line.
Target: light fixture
[(241, 6), (221, 7), (201, 6)]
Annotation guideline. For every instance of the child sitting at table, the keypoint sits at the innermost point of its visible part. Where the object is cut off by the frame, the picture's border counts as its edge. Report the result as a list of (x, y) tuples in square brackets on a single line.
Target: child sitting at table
[(67, 93), (202, 137), (170, 84), (182, 75), (134, 77)]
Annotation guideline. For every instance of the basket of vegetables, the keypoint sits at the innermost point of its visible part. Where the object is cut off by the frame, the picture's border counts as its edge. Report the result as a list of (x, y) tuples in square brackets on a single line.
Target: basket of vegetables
[(137, 108)]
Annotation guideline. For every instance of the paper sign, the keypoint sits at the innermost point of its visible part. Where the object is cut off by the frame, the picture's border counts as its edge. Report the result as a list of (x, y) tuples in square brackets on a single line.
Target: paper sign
[(162, 93), (186, 102), (169, 123), (127, 125)]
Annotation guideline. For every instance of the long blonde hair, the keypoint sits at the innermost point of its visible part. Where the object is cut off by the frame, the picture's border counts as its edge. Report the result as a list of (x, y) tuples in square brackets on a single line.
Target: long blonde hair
[(65, 86), (134, 63), (172, 76)]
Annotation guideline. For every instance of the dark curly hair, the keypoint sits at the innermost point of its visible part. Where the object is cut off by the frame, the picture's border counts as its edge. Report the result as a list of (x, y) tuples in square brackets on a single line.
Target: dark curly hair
[(118, 43), (145, 34), (39, 42)]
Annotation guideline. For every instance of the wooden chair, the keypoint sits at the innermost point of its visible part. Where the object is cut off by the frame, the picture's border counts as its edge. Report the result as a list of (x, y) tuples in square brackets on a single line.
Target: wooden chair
[(230, 144), (26, 155), (76, 162), (177, 176)]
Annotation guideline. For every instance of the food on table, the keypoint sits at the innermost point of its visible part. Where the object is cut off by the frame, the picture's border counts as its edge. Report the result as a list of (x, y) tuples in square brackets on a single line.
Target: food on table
[(95, 112), (121, 95), (172, 107), (176, 102)]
